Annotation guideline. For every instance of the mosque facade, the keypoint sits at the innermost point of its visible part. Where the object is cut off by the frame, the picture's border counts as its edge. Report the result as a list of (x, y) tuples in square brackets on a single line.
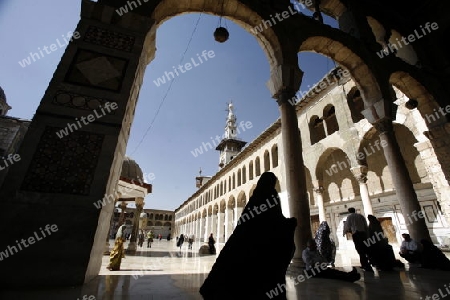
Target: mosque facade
[(344, 165)]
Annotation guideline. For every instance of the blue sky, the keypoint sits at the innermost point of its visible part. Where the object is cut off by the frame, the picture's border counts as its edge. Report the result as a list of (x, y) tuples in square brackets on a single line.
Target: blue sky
[(194, 105)]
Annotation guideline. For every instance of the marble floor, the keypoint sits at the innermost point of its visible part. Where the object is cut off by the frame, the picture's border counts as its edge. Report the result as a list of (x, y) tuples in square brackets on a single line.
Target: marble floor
[(165, 272)]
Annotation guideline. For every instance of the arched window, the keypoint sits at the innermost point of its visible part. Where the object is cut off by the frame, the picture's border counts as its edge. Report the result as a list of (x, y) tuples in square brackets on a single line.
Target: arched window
[(274, 156), (266, 161), (244, 175), (329, 115), (234, 181), (250, 170), (316, 129), (239, 177), (356, 104), (257, 167)]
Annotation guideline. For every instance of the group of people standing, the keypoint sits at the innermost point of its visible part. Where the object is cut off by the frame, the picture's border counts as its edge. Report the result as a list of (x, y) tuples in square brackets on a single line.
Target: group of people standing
[(370, 242)]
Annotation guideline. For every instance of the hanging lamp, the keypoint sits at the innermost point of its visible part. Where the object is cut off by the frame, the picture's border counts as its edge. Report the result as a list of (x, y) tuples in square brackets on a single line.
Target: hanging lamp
[(221, 34)]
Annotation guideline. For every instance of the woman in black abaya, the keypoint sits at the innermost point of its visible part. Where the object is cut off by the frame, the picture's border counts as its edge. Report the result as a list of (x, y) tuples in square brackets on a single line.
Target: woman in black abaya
[(254, 260)]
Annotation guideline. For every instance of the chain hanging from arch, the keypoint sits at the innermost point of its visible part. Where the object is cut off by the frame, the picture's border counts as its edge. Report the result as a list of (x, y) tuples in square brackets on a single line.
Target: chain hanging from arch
[(221, 33)]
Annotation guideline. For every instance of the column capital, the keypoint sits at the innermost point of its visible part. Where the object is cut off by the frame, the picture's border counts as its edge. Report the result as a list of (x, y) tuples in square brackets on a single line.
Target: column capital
[(360, 173), (285, 79), (318, 189), (380, 114), (139, 201)]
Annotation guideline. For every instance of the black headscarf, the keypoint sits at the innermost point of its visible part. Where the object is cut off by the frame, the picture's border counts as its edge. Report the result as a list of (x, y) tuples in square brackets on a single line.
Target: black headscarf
[(255, 258), (325, 245), (264, 196)]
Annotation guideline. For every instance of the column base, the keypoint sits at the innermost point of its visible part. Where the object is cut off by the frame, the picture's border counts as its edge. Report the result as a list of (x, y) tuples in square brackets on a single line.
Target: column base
[(107, 252), (132, 247)]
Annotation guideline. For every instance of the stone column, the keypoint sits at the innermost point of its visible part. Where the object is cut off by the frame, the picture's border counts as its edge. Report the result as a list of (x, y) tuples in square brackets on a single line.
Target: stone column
[(360, 174), (123, 207), (434, 154), (237, 215), (404, 187), (214, 225), (207, 227), (202, 229), (111, 227), (319, 198), (228, 222), (285, 82), (220, 227), (135, 231)]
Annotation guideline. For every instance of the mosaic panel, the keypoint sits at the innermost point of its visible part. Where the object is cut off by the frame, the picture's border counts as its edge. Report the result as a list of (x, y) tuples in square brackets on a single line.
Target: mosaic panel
[(97, 70), (65, 165), (72, 100), (109, 39)]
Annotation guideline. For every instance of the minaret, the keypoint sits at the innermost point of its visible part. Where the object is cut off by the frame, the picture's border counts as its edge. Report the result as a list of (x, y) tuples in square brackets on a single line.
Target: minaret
[(230, 145)]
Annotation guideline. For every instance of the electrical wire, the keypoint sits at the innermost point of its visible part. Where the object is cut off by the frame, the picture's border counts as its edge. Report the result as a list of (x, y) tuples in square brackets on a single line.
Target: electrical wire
[(169, 88)]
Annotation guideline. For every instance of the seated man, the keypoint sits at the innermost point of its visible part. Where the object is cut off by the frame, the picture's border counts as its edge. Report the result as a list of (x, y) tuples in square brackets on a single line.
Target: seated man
[(432, 257), (409, 249), (316, 265)]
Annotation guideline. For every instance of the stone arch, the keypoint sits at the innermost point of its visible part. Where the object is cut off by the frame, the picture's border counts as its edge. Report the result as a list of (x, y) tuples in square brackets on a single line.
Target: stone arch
[(266, 161), (329, 117), (274, 151), (333, 171), (419, 96), (239, 177), (362, 75), (231, 203), (355, 104), (257, 167), (234, 10), (241, 199), (316, 129)]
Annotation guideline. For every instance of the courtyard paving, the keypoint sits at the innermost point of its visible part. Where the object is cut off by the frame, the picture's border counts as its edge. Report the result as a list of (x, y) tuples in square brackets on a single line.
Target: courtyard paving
[(166, 272)]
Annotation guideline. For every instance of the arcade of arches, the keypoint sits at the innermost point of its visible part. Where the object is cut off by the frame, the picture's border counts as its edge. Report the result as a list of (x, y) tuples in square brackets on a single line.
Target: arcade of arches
[(344, 168), (38, 191)]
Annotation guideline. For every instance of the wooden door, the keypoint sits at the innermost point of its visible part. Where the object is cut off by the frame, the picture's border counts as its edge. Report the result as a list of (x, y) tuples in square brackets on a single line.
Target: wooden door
[(389, 229)]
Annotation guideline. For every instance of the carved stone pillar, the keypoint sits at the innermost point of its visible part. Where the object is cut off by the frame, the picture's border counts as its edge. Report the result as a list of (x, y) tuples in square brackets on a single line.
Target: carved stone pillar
[(237, 215), (360, 174), (404, 187), (220, 227), (319, 202), (123, 207), (379, 114), (284, 83), (135, 231), (436, 153), (228, 222)]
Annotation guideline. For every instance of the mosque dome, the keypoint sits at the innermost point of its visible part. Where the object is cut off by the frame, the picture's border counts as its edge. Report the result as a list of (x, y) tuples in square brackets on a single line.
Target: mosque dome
[(131, 170)]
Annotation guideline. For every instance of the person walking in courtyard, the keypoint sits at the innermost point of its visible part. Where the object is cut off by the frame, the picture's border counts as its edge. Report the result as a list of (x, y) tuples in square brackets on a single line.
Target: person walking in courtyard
[(356, 224), (325, 245), (190, 241), (141, 238), (180, 241), (211, 242), (248, 266), (150, 237), (118, 252)]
